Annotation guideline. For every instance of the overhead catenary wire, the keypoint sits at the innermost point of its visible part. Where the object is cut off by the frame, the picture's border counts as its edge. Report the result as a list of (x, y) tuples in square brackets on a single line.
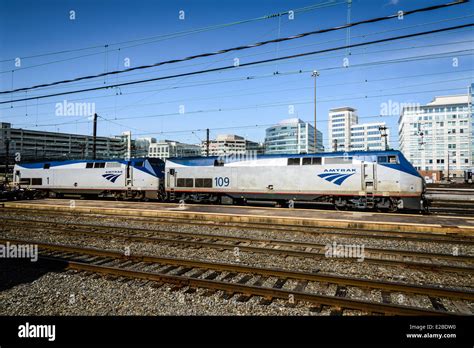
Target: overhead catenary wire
[(459, 53), (161, 37), (268, 105), (245, 64), (329, 57), (78, 83), (238, 48), (273, 91)]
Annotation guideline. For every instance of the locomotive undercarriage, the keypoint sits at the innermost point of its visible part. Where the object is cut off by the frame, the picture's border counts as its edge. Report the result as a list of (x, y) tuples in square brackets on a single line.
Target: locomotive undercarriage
[(391, 204), (368, 202)]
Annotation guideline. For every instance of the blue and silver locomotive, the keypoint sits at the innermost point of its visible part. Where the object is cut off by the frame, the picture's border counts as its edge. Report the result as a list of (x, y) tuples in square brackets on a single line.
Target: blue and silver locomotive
[(363, 180), (382, 180)]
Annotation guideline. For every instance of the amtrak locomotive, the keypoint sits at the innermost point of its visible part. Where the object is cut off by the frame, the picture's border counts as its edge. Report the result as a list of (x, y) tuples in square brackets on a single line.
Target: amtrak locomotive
[(382, 180), (137, 178)]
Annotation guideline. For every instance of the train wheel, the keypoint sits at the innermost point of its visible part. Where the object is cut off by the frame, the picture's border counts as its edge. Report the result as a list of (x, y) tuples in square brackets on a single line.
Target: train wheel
[(340, 205), (393, 207)]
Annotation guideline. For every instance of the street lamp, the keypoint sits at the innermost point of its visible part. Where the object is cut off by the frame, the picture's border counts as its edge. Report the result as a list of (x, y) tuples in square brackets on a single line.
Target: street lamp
[(315, 74)]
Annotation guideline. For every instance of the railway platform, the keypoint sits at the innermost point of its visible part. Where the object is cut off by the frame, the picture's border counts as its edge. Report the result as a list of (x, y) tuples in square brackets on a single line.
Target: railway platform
[(375, 221)]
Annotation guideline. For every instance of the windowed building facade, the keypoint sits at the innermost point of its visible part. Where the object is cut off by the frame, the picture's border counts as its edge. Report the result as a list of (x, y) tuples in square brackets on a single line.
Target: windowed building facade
[(438, 136), (292, 136), (231, 144), (169, 148), (346, 134), (33, 145)]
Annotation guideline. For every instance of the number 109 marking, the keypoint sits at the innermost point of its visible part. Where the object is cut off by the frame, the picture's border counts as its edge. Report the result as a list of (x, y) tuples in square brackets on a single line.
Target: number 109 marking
[(221, 181)]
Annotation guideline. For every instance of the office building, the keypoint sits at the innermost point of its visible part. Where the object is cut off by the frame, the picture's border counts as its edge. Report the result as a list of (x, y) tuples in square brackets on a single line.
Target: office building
[(169, 148), (346, 134), (438, 135), (34, 145), (231, 144), (292, 136)]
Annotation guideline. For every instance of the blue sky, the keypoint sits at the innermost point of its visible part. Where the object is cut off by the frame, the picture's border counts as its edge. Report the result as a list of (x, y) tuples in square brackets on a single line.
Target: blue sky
[(242, 101)]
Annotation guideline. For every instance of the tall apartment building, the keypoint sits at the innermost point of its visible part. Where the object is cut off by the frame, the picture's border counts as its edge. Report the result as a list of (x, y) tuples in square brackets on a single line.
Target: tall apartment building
[(339, 128), (169, 148), (230, 144), (439, 135), (346, 134), (368, 136), (292, 136), (33, 145)]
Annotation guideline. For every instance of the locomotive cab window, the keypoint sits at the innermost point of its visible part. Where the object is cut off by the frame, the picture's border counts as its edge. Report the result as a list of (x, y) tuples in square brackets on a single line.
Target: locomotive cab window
[(36, 181), (206, 182), (387, 159), (293, 161), (184, 182), (99, 165), (311, 161), (89, 165)]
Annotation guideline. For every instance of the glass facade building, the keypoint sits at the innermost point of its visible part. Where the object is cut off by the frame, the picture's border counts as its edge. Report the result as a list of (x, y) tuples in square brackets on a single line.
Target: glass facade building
[(292, 136)]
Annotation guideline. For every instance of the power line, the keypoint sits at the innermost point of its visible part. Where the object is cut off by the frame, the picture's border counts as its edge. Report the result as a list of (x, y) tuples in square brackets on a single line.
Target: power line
[(238, 48), (295, 47), (303, 88), (324, 57), (269, 105), (182, 33), (458, 53), (243, 65)]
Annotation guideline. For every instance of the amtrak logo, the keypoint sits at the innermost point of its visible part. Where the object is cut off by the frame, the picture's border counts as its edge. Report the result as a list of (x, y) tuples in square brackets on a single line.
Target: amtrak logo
[(111, 177), (337, 176)]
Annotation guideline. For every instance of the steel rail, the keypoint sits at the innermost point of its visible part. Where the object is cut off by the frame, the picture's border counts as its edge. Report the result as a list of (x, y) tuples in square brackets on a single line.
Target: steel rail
[(278, 251), (280, 273)]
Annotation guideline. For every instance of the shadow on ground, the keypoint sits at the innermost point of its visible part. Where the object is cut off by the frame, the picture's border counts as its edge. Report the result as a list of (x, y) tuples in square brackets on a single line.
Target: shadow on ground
[(14, 272)]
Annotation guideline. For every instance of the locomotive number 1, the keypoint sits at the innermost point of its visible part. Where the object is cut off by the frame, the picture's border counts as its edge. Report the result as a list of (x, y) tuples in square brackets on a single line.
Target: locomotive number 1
[(222, 181)]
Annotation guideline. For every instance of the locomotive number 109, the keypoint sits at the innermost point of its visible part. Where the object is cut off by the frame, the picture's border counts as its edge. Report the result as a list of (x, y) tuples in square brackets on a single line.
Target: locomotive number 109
[(221, 181)]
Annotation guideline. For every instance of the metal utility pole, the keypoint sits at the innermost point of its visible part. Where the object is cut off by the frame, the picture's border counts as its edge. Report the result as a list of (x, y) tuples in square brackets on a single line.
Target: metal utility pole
[(315, 74), (335, 145), (383, 131), (448, 165), (7, 154), (207, 142), (94, 136)]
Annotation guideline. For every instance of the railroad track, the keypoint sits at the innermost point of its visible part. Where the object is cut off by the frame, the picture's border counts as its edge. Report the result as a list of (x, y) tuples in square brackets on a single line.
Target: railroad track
[(327, 231), (245, 281), (452, 207), (454, 211), (389, 257)]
